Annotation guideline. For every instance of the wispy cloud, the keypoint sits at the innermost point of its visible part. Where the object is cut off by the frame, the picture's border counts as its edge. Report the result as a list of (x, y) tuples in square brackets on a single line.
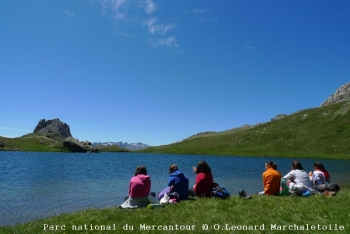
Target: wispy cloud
[(124, 9), (113, 8), (204, 13), (150, 7), (249, 47), (208, 20), (169, 41), (13, 129), (134, 17), (154, 28), (10, 136), (200, 11), (116, 4)]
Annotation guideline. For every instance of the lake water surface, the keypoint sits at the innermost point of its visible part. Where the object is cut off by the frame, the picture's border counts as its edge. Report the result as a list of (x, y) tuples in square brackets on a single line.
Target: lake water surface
[(37, 185)]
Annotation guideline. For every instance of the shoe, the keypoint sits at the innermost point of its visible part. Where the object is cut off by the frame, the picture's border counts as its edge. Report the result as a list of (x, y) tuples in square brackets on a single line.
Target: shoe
[(242, 194)]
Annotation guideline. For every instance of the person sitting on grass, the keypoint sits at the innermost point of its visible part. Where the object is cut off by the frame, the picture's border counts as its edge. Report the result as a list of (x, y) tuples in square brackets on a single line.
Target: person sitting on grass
[(178, 182), (299, 179), (139, 189), (317, 177), (325, 172), (271, 179), (203, 186)]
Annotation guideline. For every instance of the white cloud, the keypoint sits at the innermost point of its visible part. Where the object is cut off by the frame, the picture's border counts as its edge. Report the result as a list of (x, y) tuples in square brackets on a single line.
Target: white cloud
[(209, 20), (114, 8), (170, 42), (150, 24), (120, 9), (116, 4), (154, 28), (11, 136), (203, 13), (150, 7), (200, 11), (133, 15), (13, 129)]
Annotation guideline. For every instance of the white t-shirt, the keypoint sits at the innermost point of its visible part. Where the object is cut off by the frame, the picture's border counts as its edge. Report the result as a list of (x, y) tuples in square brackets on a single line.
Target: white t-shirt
[(300, 177), (318, 178)]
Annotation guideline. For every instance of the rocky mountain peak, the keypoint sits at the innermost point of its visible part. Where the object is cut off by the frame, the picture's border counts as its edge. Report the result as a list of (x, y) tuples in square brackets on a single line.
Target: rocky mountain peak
[(54, 126), (342, 94)]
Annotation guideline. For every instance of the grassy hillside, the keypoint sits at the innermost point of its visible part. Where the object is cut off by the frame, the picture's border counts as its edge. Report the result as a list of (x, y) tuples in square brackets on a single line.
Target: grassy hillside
[(319, 132), (33, 142), (44, 143)]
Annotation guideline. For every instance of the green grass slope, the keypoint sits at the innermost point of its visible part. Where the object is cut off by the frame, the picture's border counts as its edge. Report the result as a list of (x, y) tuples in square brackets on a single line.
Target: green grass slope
[(319, 132), (44, 143), (33, 142)]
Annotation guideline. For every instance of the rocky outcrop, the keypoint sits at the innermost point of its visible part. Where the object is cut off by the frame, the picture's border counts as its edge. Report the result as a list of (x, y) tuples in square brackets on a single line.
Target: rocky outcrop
[(342, 94), (280, 116), (3, 144), (75, 145), (54, 126)]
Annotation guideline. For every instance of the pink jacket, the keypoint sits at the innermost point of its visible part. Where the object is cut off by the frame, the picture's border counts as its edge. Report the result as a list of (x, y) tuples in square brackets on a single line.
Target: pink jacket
[(140, 186)]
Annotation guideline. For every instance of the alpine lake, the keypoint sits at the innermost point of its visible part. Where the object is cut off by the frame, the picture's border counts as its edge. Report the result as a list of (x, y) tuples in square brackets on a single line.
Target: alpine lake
[(37, 185)]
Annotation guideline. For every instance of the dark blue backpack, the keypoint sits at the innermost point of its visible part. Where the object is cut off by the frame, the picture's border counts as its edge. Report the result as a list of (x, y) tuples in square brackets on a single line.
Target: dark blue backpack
[(219, 192)]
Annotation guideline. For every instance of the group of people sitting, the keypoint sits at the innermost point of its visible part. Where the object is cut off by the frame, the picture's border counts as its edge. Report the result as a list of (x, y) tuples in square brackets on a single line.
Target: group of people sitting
[(140, 185), (299, 181)]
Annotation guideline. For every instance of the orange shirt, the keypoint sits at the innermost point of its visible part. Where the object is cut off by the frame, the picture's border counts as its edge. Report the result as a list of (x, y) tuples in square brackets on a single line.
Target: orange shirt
[(271, 181)]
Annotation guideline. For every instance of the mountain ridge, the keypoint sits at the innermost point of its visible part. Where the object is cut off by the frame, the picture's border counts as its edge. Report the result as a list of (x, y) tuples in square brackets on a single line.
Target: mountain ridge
[(124, 145)]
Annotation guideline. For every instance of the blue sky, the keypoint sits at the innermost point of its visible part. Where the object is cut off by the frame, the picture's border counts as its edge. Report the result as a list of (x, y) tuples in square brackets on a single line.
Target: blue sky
[(160, 71)]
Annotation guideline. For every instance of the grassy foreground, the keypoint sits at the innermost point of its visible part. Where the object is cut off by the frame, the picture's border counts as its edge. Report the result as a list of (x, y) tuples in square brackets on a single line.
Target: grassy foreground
[(261, 214)]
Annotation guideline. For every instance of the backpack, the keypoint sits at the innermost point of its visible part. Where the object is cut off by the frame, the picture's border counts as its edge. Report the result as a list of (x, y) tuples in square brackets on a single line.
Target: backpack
[(328, 187), (332, 187), (219, 192), (284, 189), (174, 195)]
